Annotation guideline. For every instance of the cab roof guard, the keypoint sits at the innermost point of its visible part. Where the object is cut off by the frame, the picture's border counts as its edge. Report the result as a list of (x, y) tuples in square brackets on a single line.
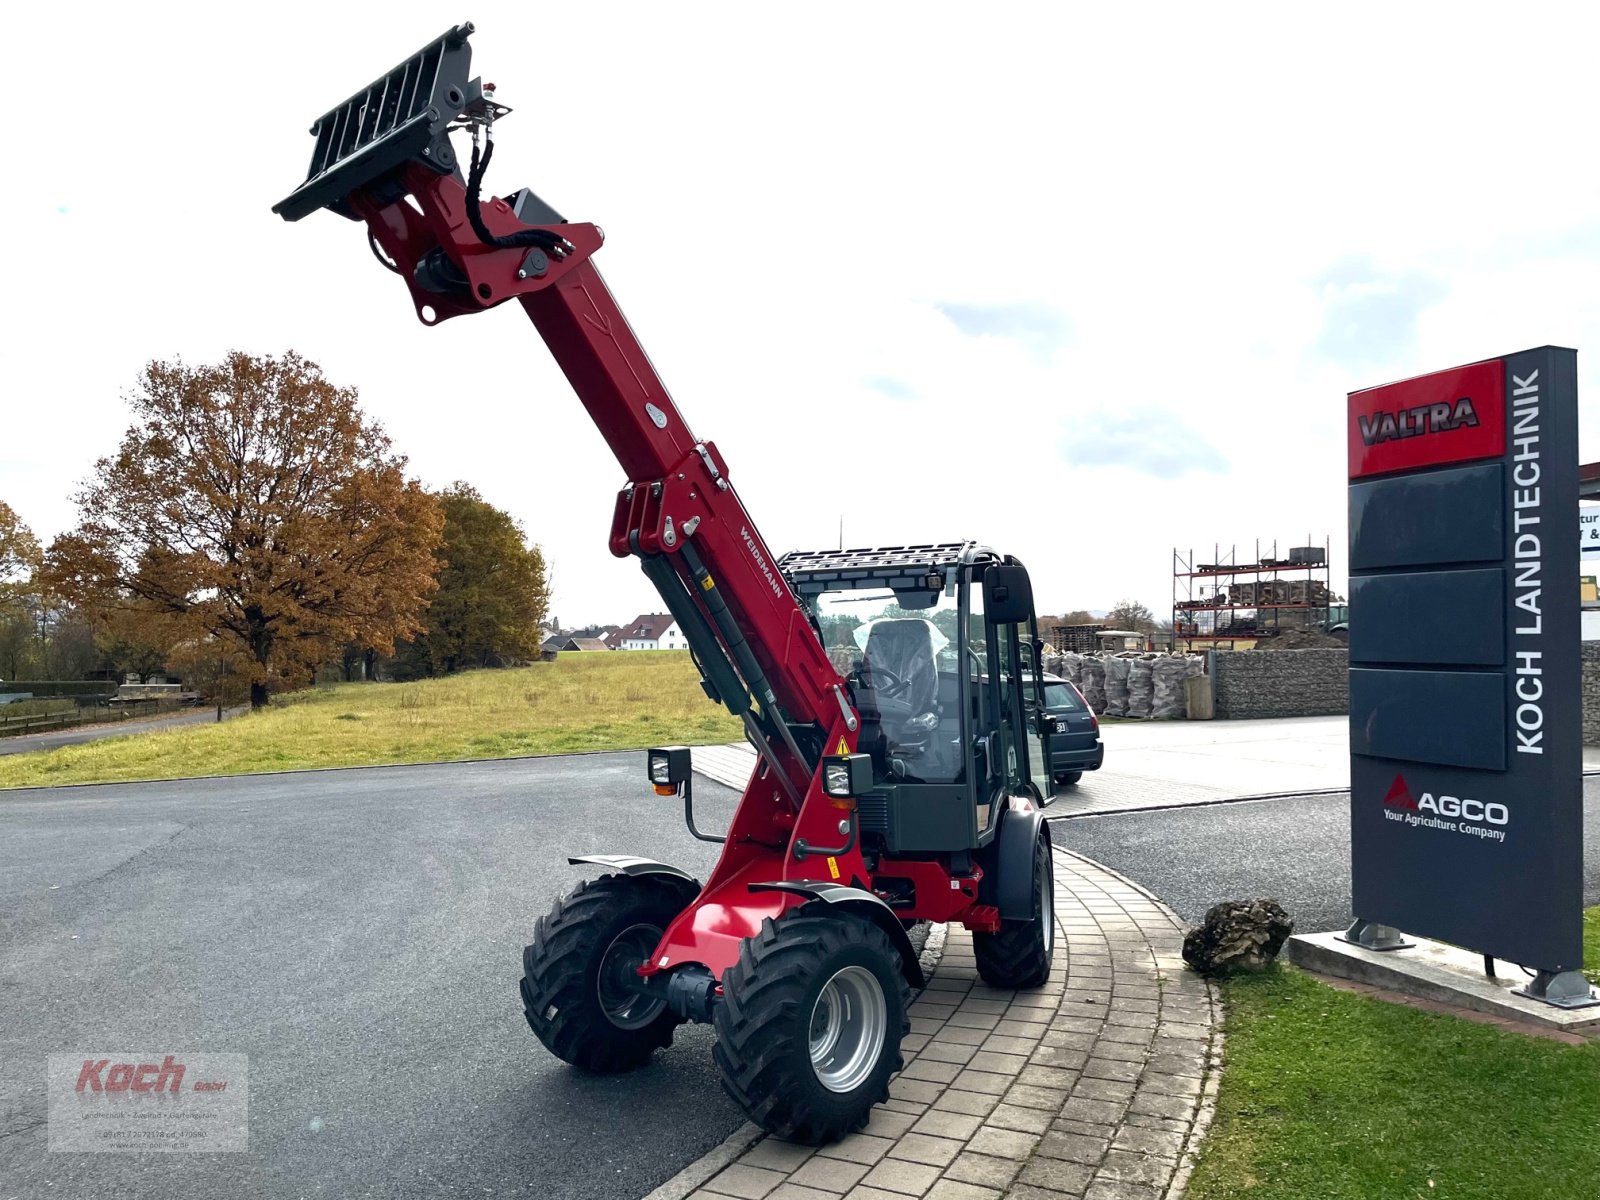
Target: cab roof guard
[(813, 571)]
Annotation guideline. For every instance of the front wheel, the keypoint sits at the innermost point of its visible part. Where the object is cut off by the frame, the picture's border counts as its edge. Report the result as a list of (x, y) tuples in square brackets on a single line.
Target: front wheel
[(576, 972), (1019, 956), (809, 1029)]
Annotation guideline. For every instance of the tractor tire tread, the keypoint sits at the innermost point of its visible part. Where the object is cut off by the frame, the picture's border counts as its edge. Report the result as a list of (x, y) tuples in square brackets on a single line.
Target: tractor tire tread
[(758, 1015), (556, 971), (1016, 956)]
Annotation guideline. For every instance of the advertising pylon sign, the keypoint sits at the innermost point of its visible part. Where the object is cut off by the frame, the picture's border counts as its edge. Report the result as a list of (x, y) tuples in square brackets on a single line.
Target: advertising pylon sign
[(1466, 806)]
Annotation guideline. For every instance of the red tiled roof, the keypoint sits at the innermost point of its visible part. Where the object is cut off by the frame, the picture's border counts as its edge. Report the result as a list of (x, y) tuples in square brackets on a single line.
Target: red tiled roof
[(647, 627)]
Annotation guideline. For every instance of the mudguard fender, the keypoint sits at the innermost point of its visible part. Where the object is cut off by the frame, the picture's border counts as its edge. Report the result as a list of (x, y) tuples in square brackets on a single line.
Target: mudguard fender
[(1008, 864), (863, 904), (628, 864)]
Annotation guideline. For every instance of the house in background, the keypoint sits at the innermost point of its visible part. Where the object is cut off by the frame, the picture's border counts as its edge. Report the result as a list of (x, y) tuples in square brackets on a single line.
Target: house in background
[(650, 631), (583, 643), (592, 637)]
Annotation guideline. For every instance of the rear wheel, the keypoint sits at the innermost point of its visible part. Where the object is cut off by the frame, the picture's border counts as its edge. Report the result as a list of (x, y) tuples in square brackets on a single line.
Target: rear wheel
[(584, 952), (1068, 778), (809, 1029), (1019, 956)]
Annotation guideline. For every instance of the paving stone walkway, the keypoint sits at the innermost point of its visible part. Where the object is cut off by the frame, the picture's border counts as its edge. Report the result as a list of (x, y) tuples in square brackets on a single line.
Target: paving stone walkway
[(1097, 1085)]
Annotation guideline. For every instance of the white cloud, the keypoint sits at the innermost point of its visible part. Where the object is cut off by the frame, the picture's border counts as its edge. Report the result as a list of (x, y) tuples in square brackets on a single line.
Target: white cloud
[(1148, 442), (1370, 316)]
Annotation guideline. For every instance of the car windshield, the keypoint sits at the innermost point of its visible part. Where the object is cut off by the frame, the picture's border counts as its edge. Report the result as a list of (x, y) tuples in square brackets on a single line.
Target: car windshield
[(1061, 697)]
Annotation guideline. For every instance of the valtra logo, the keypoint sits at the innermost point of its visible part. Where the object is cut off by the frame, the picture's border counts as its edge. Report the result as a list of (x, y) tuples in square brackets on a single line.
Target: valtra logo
[(1453, 416), (1414, 422)]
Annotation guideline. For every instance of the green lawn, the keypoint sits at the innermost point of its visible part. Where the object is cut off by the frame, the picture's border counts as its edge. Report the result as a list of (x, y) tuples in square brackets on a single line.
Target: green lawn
[(1327, 1095), (620, 701), (1591, 943)]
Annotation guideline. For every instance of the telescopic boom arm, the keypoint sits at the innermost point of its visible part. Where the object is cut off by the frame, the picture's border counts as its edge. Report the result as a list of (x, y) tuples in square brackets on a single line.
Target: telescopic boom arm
[(384, 157)]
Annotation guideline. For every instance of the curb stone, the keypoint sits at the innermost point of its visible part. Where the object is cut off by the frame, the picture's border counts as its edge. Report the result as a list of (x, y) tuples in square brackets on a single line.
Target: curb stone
[(1099, 1085), (1203, 1118)]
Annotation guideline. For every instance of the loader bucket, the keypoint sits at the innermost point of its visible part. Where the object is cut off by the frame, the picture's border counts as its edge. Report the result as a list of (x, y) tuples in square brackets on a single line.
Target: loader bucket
[(400, 117)]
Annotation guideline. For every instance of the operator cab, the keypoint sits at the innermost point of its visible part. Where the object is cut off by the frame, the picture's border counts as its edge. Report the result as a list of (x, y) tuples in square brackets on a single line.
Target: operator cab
[(939, 648)]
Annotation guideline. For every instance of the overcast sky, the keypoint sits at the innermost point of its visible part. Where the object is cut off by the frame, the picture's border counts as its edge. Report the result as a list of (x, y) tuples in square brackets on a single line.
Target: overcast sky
[(1084, 282)]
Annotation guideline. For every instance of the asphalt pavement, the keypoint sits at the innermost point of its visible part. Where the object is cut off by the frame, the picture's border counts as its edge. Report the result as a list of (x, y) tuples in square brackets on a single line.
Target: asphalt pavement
[(76, 736), (359, 935), (1296, 849)]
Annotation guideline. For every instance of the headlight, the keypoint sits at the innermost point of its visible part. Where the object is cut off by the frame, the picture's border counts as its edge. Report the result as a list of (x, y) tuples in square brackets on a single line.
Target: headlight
[(668, 766), (846, 775), (836, 779)]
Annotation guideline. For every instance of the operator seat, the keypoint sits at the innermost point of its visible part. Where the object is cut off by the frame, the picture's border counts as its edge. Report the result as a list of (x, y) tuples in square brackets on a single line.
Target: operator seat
[(904, 679)]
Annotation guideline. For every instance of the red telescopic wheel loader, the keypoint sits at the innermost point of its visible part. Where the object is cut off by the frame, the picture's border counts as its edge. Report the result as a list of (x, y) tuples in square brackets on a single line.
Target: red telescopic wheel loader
[(893, 695)]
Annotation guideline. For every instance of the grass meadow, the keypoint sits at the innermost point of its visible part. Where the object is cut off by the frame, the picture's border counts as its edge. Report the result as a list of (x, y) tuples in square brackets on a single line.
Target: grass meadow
[(613, 701)]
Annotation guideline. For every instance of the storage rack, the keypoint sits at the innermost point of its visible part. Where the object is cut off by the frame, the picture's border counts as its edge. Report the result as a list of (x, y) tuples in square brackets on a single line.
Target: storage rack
[(1205, 594), (1081, 639)]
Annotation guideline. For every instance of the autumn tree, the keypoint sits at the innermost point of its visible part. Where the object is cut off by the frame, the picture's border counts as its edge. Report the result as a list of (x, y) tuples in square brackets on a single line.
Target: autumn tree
[(1076, 617), (493, 591), (70, 652), (1133, 615), (19, 551), (20, 648), (19, 643), (252, 502), (135, 637)]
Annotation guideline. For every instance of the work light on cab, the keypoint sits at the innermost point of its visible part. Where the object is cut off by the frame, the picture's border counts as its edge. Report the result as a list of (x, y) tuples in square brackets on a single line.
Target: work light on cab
[(669, 767), (845, 776)]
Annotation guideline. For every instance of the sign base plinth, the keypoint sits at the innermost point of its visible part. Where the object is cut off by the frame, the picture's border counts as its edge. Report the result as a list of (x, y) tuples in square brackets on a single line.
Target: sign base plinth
[(1564, 989), (1439, 973), (1369, 935)]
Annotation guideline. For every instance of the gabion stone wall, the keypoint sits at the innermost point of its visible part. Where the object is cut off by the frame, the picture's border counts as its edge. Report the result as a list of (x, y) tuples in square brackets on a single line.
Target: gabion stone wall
[(1286, 683), (1314, 683), (1591, 693)]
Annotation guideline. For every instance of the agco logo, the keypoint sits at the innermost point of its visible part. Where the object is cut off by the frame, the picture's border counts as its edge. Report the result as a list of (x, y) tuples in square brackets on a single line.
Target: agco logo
[(1414, 422), (1399, 796)]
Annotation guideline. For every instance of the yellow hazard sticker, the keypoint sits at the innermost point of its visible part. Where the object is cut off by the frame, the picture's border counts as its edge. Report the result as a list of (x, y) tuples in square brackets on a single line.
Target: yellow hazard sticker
[(844, 747), (707, 584), (833, 867)]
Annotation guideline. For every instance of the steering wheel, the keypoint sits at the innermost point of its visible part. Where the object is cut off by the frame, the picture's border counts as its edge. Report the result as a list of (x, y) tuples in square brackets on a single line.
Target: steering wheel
[(892, 685)]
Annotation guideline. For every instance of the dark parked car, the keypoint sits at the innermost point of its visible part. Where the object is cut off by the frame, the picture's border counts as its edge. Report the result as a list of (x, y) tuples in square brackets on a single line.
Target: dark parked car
[(1075, 745)]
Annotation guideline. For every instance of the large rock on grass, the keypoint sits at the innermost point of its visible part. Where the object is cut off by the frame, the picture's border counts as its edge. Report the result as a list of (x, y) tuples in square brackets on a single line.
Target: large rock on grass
[(1237, 935)]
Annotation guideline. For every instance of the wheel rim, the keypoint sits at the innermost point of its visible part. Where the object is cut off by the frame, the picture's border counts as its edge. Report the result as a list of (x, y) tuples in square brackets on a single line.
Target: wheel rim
[(849, 1024), (624, 1007)]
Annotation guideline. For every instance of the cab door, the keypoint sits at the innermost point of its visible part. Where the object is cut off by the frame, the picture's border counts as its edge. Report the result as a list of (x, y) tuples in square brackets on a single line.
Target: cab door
[(1016, 659), (1031, 656), (985, 736)]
